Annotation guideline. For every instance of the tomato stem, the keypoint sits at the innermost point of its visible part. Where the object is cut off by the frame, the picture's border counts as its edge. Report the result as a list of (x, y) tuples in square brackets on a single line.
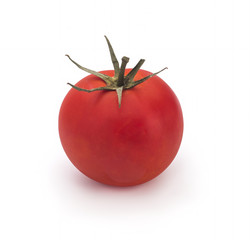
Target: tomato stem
[(119, 95), (91, 90), (104, 77), (130, 76), (113, 58), (135, 83), (118, 82)]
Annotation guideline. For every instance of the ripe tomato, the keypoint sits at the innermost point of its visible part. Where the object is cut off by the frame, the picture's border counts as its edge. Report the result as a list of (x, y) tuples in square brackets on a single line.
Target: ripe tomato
[(126, 145)]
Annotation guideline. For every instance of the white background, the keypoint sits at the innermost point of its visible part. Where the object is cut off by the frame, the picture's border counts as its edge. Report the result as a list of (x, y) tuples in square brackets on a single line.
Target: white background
[(204, 194)]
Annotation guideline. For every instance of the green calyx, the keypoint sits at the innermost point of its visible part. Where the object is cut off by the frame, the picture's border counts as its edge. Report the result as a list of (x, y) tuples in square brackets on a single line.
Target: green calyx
[(119, 81)]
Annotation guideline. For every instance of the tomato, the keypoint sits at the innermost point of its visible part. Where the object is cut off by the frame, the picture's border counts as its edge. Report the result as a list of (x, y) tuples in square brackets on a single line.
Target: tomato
[(126, 145)]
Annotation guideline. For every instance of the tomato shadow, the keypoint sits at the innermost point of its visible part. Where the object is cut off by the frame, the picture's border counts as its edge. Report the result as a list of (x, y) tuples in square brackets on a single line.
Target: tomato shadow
[(89, 197), (171, 177), (149, 186)]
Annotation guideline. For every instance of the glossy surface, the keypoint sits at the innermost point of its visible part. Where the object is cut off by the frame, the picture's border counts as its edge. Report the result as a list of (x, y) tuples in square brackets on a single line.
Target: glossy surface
[(121, 146)]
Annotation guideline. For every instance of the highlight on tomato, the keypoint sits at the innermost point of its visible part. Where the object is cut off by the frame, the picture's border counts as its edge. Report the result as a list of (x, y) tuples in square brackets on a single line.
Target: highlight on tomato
[(120, 127)]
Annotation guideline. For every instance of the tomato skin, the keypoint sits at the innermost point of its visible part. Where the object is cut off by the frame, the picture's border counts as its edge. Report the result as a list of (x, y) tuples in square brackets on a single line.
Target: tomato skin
[(122, 146)]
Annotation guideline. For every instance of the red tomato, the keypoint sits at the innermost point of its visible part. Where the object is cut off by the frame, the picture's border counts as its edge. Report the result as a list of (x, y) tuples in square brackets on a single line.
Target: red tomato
[(122, 146)]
